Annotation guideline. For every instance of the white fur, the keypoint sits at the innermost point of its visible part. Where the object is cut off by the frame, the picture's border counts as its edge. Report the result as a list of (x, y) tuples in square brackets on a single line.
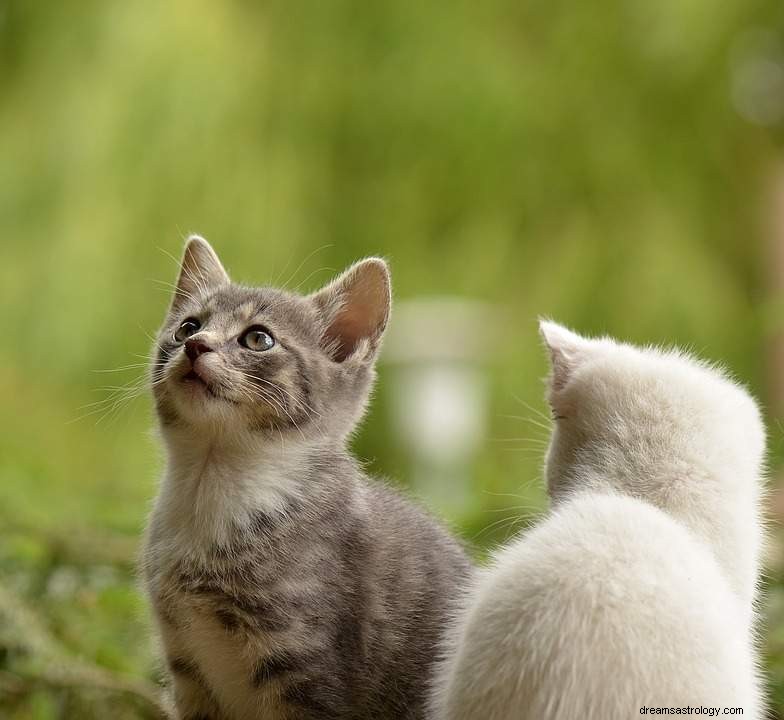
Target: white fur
[(638, 588), (213, 485)]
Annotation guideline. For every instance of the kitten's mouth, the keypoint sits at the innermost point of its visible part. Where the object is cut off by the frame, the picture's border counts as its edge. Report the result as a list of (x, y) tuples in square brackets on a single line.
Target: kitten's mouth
[(193, 378)]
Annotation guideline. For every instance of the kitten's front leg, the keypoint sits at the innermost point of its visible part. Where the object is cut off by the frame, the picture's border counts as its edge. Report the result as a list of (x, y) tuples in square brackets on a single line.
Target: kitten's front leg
[(192, 699), (188, 688)]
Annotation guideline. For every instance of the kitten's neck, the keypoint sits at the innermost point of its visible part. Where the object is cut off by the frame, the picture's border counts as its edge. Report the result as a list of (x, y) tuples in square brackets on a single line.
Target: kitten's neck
[(214, 487), (719, 505)]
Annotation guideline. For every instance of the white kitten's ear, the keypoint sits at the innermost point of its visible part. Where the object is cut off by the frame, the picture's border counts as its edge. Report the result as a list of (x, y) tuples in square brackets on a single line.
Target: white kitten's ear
[(356, 307), (565, 349), (201, 272)]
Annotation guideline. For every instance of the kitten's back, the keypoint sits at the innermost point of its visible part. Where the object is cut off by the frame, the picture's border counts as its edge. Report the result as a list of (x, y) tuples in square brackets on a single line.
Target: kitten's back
[(589, 617)]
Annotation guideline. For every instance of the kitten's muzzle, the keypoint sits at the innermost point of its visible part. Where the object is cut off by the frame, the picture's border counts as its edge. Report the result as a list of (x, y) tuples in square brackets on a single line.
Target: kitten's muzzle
[(195, 347)]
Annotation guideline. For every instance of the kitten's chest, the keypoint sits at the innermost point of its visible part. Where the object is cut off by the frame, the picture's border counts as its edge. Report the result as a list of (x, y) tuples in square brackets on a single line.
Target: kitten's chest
[(248, 593), (248, 625), (246, 634), (223, 663)]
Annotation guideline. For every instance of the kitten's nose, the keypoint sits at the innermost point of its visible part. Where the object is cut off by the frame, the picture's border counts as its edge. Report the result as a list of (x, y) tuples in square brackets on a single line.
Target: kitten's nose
[(195, 347)]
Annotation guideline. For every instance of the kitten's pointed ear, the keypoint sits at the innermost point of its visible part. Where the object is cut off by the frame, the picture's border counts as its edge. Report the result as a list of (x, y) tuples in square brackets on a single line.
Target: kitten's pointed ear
[(356, 309), (200, 272), (565, 349)]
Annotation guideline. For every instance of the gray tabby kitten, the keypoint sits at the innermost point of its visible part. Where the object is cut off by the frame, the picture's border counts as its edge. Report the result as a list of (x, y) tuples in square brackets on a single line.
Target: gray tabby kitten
[(285, 583)]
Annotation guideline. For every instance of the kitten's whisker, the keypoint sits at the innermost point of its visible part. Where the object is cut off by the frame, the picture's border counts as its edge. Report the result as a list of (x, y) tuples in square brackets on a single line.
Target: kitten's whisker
[(133, 384), (547, 418), (284, 392), (151, 359), (281, 389), (322, 269), (176, 261), (531, 509), (201, 287), (118, 396), (502, 522), (276, 279), (205, 285), (533, 421), (255, 393), (307, 257), (153, 340), (278, 404), (122, 368), (180, 266), (524, 441), (517, 440), (171, 287), (511, 495), (107, 407)]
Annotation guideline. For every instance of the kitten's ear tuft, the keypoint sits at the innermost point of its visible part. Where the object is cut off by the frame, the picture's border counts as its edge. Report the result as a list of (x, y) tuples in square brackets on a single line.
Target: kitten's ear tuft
[(356, 307), (200, 272), (565, 348)]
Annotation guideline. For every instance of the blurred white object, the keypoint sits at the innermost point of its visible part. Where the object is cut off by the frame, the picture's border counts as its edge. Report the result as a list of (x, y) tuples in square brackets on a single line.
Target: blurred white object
[(757, 77), (436, 348)]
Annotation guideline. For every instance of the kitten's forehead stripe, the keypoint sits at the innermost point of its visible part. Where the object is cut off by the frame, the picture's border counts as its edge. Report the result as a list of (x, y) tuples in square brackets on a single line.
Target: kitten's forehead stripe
[(245, 311), (247, 304)]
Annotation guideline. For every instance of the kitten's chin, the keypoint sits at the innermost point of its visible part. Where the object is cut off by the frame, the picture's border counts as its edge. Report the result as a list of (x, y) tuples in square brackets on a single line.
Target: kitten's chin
[(194, 385), (200, 402)]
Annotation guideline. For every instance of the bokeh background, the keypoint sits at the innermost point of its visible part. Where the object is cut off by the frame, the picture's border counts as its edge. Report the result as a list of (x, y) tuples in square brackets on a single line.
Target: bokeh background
[(615, 165)]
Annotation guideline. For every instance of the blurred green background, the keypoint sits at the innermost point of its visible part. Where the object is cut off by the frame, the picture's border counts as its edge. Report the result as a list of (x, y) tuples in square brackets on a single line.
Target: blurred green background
[(617, 166)]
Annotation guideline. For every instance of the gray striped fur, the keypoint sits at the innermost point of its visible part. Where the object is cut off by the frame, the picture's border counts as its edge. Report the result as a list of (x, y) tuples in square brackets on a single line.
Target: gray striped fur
[(285, 582)]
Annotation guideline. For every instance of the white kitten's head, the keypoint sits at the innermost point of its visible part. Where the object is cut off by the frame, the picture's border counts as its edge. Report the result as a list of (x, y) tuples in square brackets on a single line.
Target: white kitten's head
[(651, 423)]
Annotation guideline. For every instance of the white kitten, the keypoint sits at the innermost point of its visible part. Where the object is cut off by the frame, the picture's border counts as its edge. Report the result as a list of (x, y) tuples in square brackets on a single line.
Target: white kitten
[(638, 588)]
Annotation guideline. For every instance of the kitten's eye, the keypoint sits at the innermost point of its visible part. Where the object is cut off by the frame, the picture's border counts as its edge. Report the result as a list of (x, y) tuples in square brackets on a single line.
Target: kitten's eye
[(257, 338), (186, 329)]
